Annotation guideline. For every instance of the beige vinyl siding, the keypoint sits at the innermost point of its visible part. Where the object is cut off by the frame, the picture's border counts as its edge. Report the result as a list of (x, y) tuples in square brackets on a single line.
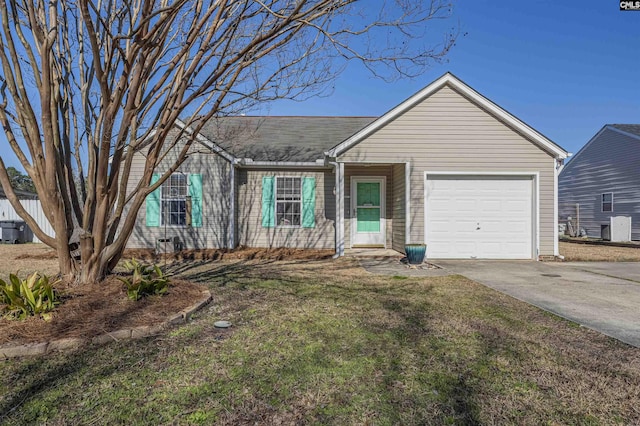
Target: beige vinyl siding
[(216, 187), (368, 171), (448, 133), (609, 163), (249, 211), (398, 205)]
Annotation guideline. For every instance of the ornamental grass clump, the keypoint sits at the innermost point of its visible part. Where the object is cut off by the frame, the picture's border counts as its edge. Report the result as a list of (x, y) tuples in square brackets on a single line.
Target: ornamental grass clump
[(33, 296), (145, 280)]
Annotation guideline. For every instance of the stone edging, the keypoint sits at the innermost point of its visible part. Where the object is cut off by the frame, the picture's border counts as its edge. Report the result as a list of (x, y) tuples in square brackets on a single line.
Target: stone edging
[(31, 349)]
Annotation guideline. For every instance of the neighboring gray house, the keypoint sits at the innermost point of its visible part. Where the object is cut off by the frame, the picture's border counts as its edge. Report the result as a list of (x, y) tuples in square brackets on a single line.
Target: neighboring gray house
[(446, 167), (603, 180)]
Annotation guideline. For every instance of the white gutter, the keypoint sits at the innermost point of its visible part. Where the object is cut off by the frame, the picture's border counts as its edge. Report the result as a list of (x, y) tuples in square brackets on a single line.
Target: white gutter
[(248, 162)]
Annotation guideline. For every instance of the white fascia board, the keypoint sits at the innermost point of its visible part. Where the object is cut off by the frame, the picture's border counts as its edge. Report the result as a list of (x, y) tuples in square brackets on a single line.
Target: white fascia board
[(206, 142), (471, 94)]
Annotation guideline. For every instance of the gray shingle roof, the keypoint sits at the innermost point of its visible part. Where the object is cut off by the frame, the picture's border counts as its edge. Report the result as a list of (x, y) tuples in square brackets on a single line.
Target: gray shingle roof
[(629, 128), (278, 138)]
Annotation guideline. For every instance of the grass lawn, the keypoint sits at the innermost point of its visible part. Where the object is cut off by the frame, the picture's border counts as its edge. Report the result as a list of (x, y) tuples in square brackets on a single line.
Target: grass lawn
[(326, 343)]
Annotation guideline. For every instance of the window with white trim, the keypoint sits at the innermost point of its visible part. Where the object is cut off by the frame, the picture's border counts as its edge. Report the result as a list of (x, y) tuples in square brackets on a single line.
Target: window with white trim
[(607, 202), (174, 200), (288, 201)]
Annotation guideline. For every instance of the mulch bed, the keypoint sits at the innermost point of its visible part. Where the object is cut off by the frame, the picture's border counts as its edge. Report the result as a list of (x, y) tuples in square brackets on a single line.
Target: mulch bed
[(91, 310), (88, 311)]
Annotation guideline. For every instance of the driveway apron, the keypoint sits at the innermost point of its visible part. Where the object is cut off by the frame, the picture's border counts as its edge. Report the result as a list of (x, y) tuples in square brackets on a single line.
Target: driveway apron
[(604, 296)]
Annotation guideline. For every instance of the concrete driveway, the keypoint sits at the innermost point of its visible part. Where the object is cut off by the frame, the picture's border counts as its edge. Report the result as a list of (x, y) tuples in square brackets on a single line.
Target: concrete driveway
[(604, 296)]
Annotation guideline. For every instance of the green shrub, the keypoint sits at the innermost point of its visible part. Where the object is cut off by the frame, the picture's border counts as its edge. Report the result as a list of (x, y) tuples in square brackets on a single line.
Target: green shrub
[(145, 280), (20, 299)]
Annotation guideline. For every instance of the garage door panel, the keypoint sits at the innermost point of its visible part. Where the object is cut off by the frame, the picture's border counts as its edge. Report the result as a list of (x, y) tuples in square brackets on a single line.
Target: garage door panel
[(491, 249), (491, 227), (465, 248), (465, 205), (479, 217), (490, 206)]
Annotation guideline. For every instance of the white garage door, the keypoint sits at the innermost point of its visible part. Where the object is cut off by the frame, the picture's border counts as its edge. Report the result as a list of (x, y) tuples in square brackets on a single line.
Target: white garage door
[(479, 217)]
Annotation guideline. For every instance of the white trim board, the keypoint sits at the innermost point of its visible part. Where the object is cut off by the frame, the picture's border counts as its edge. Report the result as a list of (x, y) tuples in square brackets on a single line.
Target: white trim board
[(556, 173), (407, 203), (458, 85)]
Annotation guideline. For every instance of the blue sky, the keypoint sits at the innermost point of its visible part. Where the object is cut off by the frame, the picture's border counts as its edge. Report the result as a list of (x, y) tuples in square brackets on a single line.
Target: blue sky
[(564, 67)]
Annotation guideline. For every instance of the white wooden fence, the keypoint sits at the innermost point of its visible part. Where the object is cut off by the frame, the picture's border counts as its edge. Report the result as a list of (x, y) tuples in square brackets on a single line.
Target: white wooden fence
[(34, 208)]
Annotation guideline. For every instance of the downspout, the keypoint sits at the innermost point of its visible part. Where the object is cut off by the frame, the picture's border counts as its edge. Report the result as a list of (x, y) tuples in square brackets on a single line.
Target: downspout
[(232, 205), (339, 222), (558, 166)]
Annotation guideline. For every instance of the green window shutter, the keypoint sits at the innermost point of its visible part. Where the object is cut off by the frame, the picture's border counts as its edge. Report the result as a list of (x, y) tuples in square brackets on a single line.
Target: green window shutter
[(309, 202), (153, 204), (268, 202), (195, 192)]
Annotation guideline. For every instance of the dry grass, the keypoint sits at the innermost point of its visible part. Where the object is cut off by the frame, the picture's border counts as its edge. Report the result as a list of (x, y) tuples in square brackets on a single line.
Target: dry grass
[(325, 342), (27, 258), (575, 252)]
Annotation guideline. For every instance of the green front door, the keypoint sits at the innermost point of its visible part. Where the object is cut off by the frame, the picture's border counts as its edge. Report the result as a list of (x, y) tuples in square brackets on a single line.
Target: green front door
[(368, 212)]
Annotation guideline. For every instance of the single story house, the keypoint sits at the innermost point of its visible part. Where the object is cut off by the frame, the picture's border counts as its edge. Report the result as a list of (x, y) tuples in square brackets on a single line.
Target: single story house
[(446, 167), (602, 181)]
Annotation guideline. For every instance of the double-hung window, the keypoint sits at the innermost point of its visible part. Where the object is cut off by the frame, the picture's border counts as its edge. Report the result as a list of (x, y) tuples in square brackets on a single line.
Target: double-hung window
[(174, 200), (607, 202), (288, 201)]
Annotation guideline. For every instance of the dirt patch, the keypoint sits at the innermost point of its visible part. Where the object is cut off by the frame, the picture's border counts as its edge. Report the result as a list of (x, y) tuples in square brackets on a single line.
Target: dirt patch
[(598, 253), (88, 311)]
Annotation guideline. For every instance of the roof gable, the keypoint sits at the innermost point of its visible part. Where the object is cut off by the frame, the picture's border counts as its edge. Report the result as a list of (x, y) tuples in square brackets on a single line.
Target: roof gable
[(630, 130), (476, 98)]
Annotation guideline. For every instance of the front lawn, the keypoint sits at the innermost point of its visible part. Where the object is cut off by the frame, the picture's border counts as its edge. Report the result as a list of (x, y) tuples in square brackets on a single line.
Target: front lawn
[(326, 343)]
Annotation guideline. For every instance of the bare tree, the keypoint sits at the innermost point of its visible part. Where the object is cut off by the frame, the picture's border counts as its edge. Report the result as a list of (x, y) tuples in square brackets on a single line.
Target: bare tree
[(87, 83)]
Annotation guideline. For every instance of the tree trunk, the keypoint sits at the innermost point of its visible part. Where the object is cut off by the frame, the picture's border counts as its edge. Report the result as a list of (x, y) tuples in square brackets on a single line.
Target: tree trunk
[(91, 274), (68, 266)]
